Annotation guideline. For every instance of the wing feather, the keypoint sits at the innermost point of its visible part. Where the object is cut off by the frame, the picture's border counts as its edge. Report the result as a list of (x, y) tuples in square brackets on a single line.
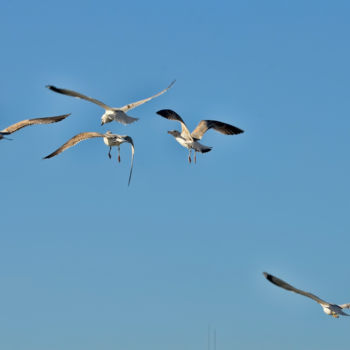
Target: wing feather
[(223, 128), (27, 122), (78, 95), (345, 306), (280, 283), (138, 103), (128, 139), (73, 141)]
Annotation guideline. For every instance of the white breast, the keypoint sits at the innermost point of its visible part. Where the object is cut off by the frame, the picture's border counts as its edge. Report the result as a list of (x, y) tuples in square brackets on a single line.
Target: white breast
[(183, 142), (326, 310)]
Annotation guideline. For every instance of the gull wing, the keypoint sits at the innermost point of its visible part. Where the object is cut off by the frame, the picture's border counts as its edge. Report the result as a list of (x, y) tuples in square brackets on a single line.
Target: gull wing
[(345, 306), (128, 139), (27, 122), (2, 135), (73, 141), (223, 128), (280, 283), (138, 103), (78, 95), (171, 115)]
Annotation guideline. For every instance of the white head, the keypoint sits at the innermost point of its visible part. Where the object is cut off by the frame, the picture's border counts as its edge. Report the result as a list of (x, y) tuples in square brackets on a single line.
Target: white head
[(106, 118)]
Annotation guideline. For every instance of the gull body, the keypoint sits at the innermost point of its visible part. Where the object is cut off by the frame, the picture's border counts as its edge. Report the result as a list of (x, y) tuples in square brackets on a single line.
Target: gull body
[(190, 140), (115, 140), (111, 113), (330, 309), (109, 139)]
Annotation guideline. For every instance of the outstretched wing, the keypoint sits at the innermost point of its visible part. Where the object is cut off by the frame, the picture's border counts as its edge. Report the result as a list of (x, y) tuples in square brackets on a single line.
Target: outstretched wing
[(345, 306), (138, 103), (27, 122), (128, 139), (171, 115), (280, 283), (73, 141), (223, 128), (78, 95)]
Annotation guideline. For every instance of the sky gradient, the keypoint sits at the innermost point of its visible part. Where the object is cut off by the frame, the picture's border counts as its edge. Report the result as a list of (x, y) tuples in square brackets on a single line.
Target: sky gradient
[(87, 262)]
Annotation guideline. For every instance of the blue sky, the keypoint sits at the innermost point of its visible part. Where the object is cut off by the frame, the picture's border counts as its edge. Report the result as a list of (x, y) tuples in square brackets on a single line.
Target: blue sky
[(88, 263)]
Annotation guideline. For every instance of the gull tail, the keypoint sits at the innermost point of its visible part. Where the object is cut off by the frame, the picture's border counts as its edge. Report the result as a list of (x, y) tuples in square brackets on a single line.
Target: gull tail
[(198, 147), (206, 149), (123, 118)]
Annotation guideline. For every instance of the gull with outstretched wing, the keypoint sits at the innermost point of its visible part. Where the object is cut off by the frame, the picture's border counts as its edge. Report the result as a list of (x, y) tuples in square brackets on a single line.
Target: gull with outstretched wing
[(330, 309), (111, 113), (22, 124), (190, 140), (111, 140)]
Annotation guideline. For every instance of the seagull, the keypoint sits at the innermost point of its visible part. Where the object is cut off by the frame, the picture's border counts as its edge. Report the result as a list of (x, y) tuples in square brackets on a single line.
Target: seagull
[(330, 309), (190, 140), (109, 139), (15, 127), (111, 113)]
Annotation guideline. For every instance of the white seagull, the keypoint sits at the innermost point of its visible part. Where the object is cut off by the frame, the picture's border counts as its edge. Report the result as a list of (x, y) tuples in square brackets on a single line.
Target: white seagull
[(15, 127), (330, 309), (111, 113), (190, 140), (109, 139)]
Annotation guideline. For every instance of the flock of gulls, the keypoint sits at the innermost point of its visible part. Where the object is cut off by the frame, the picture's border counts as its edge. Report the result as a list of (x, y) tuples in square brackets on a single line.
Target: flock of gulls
[(185, 138), (119, 114)]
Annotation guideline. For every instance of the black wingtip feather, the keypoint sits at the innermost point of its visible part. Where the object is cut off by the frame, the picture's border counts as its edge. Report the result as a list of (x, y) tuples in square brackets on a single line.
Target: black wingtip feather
[(271, 278), (165, 113), (266, 275), (53, 88)]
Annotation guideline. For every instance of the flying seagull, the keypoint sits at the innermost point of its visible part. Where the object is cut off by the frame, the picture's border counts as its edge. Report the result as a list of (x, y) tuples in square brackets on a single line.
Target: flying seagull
[(190, 140), (15, 127), (111, 113), (330, 309), (109, 139)]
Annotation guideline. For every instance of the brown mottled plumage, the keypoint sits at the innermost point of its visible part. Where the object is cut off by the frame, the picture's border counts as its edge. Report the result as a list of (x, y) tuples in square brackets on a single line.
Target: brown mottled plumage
[(48, 120), (190, 140), (108, 138)]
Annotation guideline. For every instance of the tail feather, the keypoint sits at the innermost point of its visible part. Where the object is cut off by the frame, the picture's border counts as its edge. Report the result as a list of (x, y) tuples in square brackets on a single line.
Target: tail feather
[(206, 149)]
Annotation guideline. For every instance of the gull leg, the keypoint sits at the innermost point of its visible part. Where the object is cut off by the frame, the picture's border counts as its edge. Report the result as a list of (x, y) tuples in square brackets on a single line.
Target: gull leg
[(195, 157), (109, 153), (189, 156), (119, 154)]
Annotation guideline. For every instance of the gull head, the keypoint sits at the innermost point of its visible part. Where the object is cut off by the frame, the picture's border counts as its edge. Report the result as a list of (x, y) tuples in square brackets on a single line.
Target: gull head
[(106, 118), (175, 133)]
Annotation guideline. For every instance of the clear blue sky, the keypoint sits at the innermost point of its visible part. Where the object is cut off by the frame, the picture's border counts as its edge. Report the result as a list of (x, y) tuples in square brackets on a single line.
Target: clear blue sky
[(88, 263)]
